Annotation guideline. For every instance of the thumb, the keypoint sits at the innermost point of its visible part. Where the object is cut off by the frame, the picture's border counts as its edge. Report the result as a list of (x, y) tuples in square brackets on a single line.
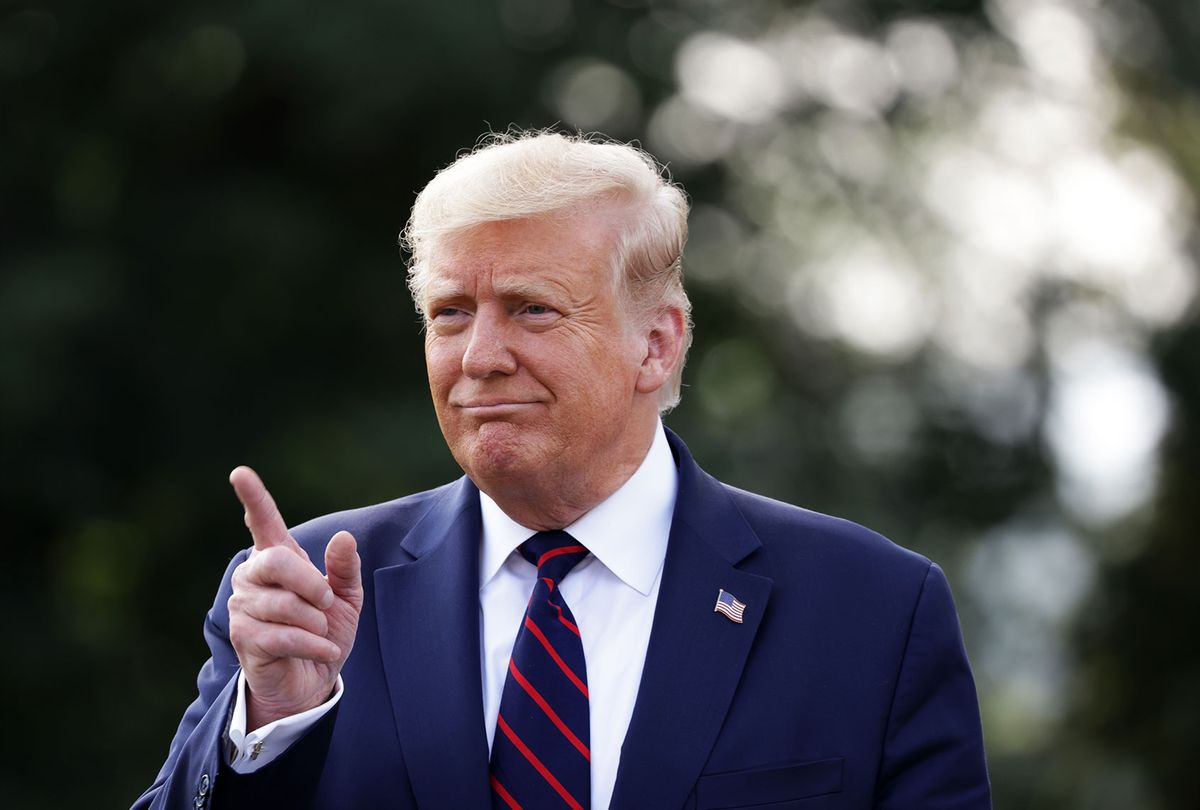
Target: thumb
[(343, 568)]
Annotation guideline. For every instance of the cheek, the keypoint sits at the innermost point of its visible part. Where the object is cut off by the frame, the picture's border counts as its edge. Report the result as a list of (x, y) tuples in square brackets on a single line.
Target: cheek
[(441, 364), (602, 386)]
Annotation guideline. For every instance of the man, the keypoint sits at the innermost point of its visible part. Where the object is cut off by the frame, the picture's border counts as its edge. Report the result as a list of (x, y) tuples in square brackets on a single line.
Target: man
[(586, 618)]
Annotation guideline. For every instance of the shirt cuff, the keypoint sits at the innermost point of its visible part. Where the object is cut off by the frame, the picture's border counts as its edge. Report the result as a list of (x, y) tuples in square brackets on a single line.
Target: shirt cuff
[(249, 752)]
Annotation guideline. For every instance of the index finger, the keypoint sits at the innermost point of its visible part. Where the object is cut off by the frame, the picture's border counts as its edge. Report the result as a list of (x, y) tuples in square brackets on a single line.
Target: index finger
[(262, 515)]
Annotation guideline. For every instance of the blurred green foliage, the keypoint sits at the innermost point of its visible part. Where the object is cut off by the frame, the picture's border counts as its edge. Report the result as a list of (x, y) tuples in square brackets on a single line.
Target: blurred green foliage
[(199, 204)]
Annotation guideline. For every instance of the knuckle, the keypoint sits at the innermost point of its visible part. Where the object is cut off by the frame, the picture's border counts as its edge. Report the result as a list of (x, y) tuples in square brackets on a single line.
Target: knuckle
[(242, 572), (262, 498), (280, 604), (271, 563), (280, 640), (237, 633), (267, 640)]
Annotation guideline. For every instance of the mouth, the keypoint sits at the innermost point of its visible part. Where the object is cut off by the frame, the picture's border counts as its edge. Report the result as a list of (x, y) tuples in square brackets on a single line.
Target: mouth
[(497, 408)]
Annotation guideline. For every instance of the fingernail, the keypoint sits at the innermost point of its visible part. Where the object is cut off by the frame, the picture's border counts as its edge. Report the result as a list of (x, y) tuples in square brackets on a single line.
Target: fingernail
[(326, 601)]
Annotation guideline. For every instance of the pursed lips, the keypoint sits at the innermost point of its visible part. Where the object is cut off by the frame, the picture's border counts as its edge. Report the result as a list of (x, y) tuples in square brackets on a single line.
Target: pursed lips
[(494, 407)]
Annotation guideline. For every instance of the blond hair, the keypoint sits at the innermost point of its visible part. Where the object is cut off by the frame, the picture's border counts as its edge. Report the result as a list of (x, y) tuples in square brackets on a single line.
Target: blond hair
[(525, 175)]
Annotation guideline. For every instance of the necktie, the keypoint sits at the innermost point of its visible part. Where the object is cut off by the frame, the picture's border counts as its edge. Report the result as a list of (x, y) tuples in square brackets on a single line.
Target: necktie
[(540, 756)]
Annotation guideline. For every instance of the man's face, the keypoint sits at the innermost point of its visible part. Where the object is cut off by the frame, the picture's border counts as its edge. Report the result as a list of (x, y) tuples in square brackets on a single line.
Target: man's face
[(532, 364)]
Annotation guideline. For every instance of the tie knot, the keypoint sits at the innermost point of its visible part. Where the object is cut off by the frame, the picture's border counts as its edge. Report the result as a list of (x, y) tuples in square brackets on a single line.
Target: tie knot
[(554, 553)]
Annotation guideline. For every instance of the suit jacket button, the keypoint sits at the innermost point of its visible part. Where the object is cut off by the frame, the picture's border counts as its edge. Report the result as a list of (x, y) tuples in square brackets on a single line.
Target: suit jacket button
[(203, 790)]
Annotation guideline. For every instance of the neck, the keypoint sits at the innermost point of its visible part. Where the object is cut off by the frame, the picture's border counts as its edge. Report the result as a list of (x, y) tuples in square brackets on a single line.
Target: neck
[(557, 500)]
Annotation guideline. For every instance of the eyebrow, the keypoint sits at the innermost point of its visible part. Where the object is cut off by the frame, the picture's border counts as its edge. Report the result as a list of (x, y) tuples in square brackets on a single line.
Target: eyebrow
[(444, 289), (519, 288), (515, 288)]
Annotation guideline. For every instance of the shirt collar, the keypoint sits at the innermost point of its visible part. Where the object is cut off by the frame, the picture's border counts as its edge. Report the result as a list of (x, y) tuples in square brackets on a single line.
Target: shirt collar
[(627, 531)]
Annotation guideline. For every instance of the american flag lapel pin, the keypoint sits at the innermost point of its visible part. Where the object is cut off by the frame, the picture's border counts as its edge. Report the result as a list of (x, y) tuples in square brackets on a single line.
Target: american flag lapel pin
[(729, 606)]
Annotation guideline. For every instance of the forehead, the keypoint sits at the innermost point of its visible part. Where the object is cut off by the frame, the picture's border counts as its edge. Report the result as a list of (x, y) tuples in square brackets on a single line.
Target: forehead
[(567, 249)]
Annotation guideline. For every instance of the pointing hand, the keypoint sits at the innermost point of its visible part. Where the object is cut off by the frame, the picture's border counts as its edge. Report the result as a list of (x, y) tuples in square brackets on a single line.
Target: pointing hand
[(291, 627)]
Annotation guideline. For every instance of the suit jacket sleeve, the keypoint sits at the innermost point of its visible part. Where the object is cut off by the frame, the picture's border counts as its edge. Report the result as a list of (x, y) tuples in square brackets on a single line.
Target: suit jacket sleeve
[(195, 775), (933, 749)]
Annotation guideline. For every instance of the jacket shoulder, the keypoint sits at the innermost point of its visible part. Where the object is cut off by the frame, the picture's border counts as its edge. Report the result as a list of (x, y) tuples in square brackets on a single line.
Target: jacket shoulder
[(370, 524), (793, 532)]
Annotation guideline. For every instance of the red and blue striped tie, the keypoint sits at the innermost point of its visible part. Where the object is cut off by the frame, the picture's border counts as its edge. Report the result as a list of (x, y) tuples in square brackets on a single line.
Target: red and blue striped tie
[(540, 756)]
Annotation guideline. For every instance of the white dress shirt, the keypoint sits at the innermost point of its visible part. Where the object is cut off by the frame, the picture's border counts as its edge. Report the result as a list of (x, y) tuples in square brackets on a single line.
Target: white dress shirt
[(612, 594)]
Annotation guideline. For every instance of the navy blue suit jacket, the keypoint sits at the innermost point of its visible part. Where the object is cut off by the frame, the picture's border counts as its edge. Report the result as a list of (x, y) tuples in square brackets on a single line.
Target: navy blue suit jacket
[(847, 685)]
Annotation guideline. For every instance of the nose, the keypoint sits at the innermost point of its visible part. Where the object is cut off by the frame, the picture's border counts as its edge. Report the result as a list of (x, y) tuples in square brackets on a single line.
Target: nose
[(488, 349)]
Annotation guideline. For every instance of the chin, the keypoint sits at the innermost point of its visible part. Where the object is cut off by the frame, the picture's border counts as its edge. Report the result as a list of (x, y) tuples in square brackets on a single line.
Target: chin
[(499, 450)]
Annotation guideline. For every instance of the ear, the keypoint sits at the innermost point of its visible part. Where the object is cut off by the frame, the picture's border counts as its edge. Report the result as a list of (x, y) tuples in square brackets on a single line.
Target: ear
[(664, 349)]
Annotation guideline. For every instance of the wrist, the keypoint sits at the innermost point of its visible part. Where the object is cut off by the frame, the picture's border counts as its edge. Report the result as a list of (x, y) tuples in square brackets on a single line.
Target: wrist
[(262, 711)]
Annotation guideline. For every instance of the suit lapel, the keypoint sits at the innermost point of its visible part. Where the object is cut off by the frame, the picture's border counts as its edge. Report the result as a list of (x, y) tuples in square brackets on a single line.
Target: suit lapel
[(428, 621), (696, 656)]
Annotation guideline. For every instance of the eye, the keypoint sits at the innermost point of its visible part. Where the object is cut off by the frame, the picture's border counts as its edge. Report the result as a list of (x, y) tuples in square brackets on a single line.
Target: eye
[(444, 319), (538, 316)]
